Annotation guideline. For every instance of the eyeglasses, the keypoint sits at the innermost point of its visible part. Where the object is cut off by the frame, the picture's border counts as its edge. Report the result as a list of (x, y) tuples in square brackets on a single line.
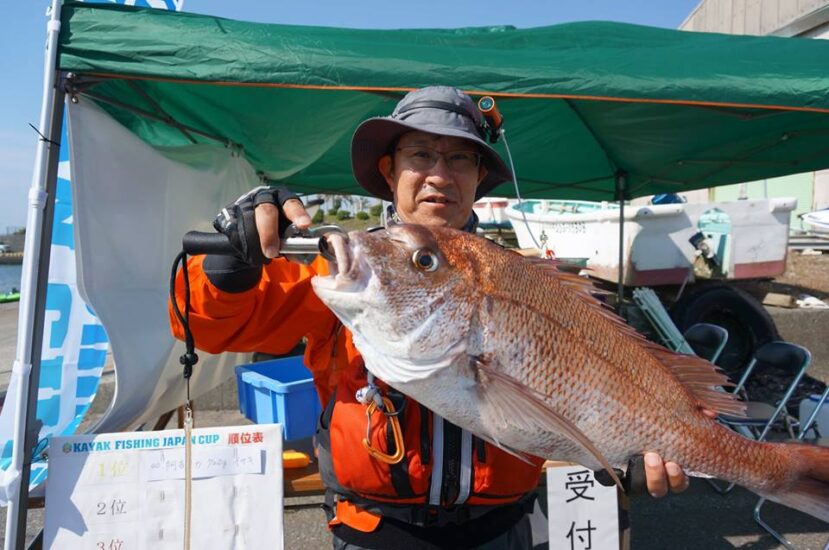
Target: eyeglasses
[(420, 157)]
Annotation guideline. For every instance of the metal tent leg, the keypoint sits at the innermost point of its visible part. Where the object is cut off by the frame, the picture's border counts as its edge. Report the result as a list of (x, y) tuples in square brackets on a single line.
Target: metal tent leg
[(28, 415), (33, 287)]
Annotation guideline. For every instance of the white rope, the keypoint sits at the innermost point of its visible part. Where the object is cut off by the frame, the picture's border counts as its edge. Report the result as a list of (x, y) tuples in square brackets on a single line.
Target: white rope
[(517, 192), (188, 473)]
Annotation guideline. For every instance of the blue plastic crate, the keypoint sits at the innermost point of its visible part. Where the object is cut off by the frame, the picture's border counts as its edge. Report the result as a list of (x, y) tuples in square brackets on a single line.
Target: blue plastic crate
[(279, 391)]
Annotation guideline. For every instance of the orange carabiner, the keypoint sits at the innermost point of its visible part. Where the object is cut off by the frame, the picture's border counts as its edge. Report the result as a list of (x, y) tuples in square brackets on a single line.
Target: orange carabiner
[(396, 431)]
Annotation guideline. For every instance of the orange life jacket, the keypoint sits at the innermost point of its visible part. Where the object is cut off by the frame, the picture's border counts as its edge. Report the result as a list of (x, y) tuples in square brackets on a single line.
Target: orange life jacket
[(442, 465)]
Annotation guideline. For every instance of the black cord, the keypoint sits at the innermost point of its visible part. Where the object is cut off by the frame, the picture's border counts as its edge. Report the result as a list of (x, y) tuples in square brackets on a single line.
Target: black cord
[(42, 137), (189, 359)]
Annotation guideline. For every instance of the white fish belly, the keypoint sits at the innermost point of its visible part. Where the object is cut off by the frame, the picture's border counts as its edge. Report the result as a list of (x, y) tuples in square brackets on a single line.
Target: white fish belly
[(457, 398)]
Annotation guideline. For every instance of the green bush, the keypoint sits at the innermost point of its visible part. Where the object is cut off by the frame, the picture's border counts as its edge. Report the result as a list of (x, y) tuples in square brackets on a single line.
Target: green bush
[(362, 215), (332, 211), (376, 210), (319, 217), (343, 215)]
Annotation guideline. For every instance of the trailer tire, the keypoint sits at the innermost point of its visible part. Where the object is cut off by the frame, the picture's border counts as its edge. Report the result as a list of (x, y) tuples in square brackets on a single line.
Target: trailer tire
[(748, 324)]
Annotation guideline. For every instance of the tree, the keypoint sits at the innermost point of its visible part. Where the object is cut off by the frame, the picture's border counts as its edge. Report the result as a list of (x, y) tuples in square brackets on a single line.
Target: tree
[(319, 217), (361, 215), (343, 215), (376, 210)]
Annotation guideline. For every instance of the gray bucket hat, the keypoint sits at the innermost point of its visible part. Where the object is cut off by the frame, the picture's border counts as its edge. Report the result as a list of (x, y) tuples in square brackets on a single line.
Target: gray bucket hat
[(440, 110)]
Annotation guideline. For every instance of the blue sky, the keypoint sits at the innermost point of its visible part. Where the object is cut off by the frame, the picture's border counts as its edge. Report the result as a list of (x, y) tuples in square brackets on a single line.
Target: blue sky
[(22, 35)]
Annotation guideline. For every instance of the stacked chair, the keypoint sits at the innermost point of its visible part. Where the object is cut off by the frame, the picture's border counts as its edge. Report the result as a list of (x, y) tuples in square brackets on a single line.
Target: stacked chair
[(762, 417), (803, 430), (708, 341)]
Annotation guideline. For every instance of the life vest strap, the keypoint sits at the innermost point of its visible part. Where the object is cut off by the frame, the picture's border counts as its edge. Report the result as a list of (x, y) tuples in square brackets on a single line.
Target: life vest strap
[(437, 516), (348, 513)]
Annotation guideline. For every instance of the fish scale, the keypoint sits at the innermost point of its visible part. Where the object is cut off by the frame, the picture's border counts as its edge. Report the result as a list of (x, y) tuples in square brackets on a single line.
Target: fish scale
[(525, 356)]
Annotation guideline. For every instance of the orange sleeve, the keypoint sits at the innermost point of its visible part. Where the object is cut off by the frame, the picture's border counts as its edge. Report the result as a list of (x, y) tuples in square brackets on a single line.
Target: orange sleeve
[(270, 317)]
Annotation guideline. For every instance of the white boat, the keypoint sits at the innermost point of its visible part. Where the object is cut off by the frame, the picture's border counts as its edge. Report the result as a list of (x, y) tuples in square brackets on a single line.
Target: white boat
[(817, 221), (491, 213), (663, 244)]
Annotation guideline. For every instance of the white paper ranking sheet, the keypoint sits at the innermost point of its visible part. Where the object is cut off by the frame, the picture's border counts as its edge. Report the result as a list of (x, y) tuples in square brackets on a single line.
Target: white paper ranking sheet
[(125, 491)]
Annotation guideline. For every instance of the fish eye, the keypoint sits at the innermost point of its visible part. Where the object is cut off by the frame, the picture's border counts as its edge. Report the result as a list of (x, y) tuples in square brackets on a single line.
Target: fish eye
[(424, 260)]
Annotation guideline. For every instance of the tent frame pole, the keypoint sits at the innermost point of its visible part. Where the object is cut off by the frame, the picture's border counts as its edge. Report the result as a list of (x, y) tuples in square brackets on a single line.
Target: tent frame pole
[(621, 191), (34, 280), (34, 334)]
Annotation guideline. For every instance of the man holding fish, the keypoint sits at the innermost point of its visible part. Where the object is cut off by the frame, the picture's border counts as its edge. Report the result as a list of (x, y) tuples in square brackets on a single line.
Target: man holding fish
[(397, 473)]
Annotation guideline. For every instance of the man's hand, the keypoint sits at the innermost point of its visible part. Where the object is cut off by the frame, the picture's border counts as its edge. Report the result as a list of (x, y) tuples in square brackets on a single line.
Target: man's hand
[(266, 215), (254, 222), (660, 476)]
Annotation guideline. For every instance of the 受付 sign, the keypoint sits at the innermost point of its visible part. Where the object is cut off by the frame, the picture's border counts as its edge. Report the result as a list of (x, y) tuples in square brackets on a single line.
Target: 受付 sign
[(583, 514)]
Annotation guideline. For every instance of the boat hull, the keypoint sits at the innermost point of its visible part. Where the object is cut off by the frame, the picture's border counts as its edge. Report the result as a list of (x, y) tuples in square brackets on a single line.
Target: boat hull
[(745, 239)]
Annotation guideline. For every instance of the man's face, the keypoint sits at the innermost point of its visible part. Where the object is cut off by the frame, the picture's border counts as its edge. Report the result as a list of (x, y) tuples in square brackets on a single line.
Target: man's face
[(442, 194)]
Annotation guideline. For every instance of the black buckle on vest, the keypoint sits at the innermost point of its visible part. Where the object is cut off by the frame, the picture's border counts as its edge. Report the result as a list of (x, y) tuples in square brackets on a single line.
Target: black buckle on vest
[(435, 516)]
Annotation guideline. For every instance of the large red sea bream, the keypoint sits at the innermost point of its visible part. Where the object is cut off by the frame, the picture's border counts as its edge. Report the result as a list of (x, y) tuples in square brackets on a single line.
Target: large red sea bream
[(524, 356)]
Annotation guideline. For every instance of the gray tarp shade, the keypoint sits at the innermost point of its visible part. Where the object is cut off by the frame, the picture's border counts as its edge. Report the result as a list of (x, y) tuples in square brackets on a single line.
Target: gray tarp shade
[(673, 110)]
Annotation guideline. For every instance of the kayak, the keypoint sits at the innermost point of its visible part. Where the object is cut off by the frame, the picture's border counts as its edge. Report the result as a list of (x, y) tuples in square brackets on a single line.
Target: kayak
[(9, 297)]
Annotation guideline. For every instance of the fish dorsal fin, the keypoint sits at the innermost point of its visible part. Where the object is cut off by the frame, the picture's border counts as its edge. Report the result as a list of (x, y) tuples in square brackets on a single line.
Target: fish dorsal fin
[(702, 379), (584, 287), (507, 402)]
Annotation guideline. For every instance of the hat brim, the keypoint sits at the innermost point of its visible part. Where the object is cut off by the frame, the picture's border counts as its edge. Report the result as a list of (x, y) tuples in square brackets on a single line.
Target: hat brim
[(373, 137)]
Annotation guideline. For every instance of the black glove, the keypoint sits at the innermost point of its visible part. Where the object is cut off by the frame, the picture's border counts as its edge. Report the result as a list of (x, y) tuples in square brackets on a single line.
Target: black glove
[(634, 481), (236, 221)]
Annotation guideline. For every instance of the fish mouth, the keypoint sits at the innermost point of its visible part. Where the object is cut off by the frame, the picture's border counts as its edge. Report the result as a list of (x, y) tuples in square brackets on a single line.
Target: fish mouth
[(350, 273)]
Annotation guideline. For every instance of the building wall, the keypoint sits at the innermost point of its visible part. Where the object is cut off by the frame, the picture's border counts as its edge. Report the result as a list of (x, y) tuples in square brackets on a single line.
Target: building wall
[(821, 191), (758, 17)]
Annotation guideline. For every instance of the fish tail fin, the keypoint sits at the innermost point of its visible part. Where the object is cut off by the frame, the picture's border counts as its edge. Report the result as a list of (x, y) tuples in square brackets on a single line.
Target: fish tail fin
[(809, 490)]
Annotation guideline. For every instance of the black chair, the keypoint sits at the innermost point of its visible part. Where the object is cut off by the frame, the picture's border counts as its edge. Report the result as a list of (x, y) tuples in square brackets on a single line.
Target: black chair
[(706, 340), (804, 429), (761, 417)]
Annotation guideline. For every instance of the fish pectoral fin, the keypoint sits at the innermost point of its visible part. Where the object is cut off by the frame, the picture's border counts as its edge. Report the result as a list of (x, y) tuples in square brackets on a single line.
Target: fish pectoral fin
[(522, 456), (510, 404)]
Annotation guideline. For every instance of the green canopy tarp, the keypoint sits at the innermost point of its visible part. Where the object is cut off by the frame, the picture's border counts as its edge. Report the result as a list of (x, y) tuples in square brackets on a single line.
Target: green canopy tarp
[(582, 102)]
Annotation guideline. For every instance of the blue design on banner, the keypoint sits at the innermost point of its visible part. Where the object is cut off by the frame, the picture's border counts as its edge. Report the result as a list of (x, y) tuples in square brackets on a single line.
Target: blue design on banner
[(91, 358), (63, 233), (93, 334), (51, 371), (59, 299), (87, 385), (48, 411), (7, 450)]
